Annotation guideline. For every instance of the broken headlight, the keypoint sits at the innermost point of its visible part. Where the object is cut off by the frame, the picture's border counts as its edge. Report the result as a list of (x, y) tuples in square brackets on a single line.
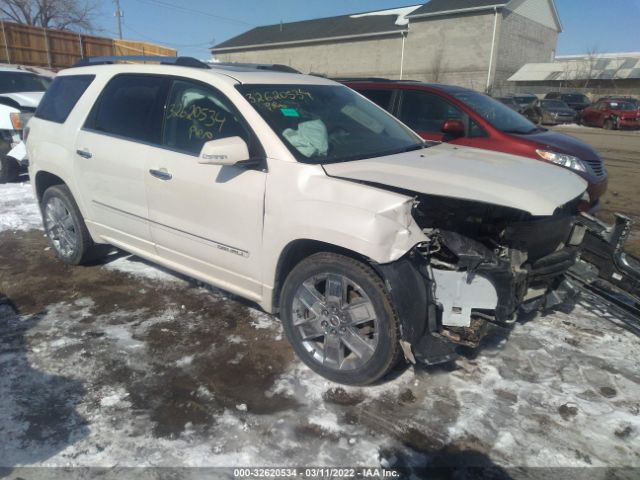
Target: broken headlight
[(567, 161)]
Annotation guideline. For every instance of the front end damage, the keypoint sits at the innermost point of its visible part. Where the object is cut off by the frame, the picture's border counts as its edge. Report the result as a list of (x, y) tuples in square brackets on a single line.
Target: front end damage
[(480, 266)]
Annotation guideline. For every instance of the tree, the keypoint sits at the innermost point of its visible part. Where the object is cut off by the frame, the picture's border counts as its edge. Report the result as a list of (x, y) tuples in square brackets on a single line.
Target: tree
[(438, 64), (60, 14)]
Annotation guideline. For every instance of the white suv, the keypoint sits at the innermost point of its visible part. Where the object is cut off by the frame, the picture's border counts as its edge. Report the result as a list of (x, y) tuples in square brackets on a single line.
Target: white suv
[(299, 194)]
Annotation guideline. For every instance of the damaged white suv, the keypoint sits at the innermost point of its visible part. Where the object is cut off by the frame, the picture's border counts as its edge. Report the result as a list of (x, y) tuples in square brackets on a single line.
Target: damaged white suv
[(299, 194)]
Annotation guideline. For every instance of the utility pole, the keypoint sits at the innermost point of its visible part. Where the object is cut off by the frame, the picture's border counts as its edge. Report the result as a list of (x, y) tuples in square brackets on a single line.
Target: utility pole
[(119, 15)]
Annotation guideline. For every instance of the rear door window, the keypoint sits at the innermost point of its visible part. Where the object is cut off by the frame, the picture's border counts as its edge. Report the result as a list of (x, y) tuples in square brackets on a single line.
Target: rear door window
[(62, 95), (196, 113), (425, 112), (382, 98), (131, 107)]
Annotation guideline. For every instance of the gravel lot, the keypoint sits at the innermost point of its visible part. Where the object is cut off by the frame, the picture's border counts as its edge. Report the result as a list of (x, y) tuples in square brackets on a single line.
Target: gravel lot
[(124, 364)]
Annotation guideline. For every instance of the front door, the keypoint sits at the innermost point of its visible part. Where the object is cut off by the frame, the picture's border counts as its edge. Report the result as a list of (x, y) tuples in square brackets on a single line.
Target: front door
[(205, 218)]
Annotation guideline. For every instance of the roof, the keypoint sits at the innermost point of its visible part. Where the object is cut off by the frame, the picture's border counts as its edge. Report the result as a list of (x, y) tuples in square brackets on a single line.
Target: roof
[(444, 7), (228, 74), (380, 22), (596, 67)]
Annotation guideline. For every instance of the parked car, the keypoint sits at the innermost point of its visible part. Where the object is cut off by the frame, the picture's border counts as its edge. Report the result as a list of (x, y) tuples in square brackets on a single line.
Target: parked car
[(549, 112), (464, 117), (631, 100), (577, 101), (611, 115), (20, 92), (524, 100), (297, 193), (510, 102)]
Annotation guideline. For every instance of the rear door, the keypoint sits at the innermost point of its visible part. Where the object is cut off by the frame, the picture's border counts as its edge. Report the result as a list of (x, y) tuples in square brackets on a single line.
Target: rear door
[(206, 218), (121, 132)]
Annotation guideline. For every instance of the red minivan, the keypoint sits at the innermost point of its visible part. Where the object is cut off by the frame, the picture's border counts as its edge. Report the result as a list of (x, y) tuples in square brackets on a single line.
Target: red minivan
[(465, 117)]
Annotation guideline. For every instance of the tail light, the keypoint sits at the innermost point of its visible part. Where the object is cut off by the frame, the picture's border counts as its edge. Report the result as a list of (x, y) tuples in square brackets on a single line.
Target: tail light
[(19, 119)]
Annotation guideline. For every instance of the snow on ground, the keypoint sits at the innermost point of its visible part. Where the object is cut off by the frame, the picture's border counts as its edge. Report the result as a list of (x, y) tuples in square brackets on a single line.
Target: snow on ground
[(167, 385), (18, 207)]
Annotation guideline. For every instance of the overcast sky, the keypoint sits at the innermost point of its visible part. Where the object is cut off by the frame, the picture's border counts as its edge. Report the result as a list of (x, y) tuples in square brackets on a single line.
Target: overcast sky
[(193, 25)]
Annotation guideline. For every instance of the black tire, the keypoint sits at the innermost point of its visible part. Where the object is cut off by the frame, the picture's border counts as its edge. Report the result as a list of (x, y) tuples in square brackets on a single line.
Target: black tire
[(84, 250), (387, 350), (608, 124), (8, 169)]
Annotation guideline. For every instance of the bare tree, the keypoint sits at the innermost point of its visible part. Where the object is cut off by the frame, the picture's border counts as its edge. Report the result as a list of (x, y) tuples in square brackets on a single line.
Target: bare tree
[(591, 60), (60, 14), (438, 65)]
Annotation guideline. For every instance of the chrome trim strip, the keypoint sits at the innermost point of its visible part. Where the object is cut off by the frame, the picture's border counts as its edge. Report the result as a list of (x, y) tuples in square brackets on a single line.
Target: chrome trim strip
[(218, 245)]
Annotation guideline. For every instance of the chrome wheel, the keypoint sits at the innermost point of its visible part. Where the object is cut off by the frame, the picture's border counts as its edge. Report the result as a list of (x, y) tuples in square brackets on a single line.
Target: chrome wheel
[(336, 321), (60, 227)]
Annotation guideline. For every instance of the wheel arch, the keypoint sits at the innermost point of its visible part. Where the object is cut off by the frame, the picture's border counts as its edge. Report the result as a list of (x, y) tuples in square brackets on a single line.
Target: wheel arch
[(45, 180), (296, 251)]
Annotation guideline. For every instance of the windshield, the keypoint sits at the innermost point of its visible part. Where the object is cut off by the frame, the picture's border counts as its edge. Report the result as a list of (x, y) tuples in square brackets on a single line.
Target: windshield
[(575, 98), (525, 99), (329, 124), (14, 82), (497, 114), (622, 106), (553, 104)]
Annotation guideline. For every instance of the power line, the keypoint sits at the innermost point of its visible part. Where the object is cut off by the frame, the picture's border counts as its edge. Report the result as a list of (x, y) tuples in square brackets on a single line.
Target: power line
[(193, 11)]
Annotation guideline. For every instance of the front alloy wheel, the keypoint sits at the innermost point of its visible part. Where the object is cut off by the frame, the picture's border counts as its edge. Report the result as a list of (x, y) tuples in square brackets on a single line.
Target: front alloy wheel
[(336, 321), (60, 227), (339, 319)]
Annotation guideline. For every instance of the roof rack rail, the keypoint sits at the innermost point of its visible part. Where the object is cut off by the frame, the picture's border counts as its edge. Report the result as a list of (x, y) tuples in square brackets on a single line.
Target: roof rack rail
[(360, 79), (275, 67), (177, 61)]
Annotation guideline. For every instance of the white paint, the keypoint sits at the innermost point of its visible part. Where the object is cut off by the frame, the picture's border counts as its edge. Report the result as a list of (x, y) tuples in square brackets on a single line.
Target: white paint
[(400, 13)]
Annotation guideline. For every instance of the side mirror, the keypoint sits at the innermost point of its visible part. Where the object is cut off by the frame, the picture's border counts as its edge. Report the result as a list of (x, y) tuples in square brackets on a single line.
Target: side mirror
[(453, 128), (225, 151)]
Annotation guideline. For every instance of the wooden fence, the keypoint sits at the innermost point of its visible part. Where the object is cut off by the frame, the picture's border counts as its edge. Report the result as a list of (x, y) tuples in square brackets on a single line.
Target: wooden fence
[(56, 49)]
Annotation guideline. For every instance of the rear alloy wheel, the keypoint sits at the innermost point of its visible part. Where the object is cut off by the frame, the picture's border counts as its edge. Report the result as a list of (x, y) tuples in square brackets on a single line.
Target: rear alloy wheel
[(8, 169), (65, 227), (339, 319)]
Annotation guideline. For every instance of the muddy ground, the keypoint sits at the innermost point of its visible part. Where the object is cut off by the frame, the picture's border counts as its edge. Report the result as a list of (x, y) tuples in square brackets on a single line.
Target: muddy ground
[(123, 364)]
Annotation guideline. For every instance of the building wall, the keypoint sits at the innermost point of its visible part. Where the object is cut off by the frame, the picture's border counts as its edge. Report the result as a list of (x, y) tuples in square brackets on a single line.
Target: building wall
[(594, 90), (375, 57), (522, 41), (450, 49)]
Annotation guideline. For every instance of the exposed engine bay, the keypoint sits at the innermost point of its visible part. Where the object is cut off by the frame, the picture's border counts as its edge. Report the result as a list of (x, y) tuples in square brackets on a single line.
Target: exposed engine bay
[(482, 263)]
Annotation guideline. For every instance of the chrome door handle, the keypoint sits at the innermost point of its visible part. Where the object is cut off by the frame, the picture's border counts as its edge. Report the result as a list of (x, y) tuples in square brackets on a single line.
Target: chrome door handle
[(84, 153), (161, 174)]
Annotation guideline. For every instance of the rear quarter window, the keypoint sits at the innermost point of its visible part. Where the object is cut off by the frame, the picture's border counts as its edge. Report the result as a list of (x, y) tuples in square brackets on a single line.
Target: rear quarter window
[(61, 96)]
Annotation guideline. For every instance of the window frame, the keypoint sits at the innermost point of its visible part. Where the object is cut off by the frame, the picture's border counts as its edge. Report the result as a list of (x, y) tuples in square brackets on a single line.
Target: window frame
[(256, 150)]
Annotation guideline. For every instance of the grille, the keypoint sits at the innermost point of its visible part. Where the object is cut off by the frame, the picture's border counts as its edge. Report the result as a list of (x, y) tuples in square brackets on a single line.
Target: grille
[(597, 166)]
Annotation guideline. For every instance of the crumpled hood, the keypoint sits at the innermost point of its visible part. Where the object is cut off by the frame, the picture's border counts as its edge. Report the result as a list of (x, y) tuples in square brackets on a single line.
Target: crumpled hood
[(471, 174), (25, 99)]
